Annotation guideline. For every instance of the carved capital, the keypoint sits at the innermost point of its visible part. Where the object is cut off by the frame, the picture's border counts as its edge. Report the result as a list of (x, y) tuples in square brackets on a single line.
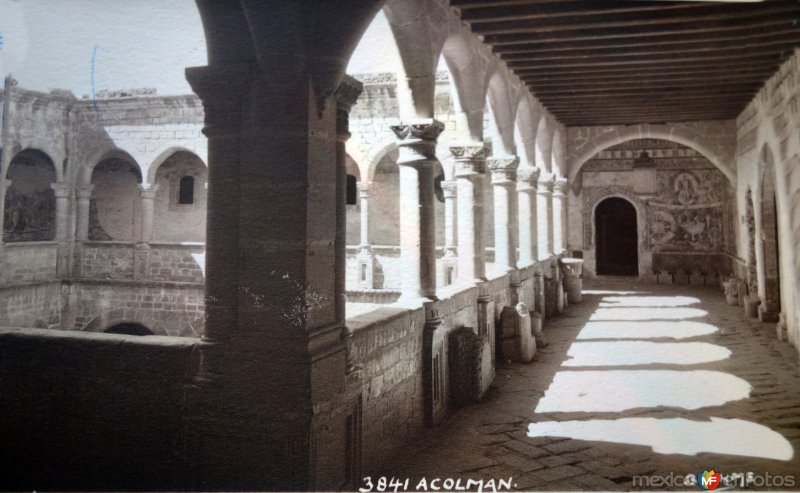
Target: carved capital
[(60, 189), (504, 169), (560, 186), (84, 192), (222, 89), (417, 141), (346, 95), (470, 159), (148, 191), (449, 188), (546, 182), (528, 176), (363, 189)]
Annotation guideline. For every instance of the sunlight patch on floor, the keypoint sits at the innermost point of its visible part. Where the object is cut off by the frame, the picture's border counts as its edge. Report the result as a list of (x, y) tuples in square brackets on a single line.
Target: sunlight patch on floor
[(675, 435), (681, 329), (626, 353), (620, 301), (620, 390), (654, 313)]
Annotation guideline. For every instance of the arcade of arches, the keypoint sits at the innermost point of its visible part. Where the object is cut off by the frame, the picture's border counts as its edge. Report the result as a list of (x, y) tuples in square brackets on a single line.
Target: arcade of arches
[(279, 281)]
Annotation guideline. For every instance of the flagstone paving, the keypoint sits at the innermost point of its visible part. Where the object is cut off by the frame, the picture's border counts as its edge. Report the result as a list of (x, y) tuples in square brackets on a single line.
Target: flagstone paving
[(490, 439)]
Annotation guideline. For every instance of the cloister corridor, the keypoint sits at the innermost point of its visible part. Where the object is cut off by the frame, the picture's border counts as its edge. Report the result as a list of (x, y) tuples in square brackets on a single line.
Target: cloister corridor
[(637, 380)]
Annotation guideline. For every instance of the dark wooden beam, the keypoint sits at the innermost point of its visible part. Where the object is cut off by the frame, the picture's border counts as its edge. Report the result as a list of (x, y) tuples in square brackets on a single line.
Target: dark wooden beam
[(666, 68), (730, 57), (656, 89), (526, 11), (657, 19), (545, 85)]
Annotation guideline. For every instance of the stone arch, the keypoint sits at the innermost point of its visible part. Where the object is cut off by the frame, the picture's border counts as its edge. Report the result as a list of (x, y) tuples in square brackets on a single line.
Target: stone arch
[(769, 255), (543, 147), (163, 156), (30, 204), (618, 135), (589, 208), (118, 316), (468, 67), (84, 176), (352, 167), (502, 112), (376, 157), (115, 206), (177, 220), (557, 163), (39, 150), (526, 122)]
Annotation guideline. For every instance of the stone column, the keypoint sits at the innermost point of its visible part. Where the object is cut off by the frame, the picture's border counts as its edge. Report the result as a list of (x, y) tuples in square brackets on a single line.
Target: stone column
[(504, 176), (147, 192), (346, 95), (365, 257), (417, 158), (543, 203), (62, 193), (470, 169), (560, 215), (84, 198), (450, 259), (527, 181), (363, 196)]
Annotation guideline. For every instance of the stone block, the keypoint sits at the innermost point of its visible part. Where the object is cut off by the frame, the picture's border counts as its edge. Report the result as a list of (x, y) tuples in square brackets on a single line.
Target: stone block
[(518, 342)]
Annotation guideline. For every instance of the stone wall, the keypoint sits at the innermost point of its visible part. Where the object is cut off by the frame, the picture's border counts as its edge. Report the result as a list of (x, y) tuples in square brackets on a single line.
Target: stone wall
[(684, 214)]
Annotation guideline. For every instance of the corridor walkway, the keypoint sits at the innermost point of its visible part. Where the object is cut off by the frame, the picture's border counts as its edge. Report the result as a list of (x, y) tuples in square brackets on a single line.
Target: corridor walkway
[(636, 380)]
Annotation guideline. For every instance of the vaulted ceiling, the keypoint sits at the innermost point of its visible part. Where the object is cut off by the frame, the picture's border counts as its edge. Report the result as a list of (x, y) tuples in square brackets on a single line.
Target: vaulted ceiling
[(593, 62)]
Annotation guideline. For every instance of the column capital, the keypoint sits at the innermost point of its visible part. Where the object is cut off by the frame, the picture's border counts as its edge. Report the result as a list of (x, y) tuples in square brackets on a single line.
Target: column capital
[(560, 186), (417, 141), (363, 188), (61, 189), (346, 95), (470, 159), (449, 188), (148, 190), (221, 89), (546, 183), (504, 169), (84, 191), (528, 177)]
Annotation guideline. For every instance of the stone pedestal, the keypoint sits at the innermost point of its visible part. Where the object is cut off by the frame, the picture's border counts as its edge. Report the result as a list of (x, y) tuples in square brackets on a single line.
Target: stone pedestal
[(731, 287), (573, 278), (470, 170), (527, 182), (538, 332), (518, 343)]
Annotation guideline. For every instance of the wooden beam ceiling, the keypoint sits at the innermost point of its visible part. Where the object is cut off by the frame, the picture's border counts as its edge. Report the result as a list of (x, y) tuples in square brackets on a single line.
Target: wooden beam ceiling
[(593, 62)]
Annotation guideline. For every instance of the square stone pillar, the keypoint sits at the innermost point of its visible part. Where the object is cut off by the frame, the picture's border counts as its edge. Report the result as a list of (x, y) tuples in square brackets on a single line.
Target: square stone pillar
[(560, 215), (470, 168), (544, 214), (417, 160), (527, 182), (504, 176)]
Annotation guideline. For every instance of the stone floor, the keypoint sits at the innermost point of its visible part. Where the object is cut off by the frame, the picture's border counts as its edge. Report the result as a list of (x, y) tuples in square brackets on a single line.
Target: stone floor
[(637, 380)]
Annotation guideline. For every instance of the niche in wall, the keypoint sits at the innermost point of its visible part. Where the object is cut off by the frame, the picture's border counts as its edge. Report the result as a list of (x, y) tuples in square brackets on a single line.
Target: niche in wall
[(30, 210)]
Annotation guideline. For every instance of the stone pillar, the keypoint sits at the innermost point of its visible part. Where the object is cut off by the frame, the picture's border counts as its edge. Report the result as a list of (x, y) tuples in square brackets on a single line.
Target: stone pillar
[(544, 216), (147, 192), (346, 95), (560, 215), (417, 158), (450, 259), (470, 168), (527, 181), (573, 282), (84, 198), (504, 175), (365, 257), (62, 193)]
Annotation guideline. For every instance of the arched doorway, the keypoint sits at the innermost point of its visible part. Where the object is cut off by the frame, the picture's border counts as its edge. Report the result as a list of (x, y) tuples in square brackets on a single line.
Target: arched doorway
[(617, 239)]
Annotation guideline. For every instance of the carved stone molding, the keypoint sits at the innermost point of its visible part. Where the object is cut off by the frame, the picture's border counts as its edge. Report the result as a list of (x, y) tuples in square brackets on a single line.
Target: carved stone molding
[(560, 186), (449, 188), (469, 159), (528, 177), (346, 96), (417, 141), (546, 182), (363, 189), (504, 168)]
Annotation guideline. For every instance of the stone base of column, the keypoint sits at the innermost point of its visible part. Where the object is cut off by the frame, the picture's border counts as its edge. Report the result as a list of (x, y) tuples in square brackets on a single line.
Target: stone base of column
[(537, 324), (573, 282), (781, 330), (518, 343), (767, 314)]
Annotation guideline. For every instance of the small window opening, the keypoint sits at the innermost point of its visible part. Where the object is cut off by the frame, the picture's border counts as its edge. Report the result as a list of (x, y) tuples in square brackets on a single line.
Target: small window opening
[(186, 191), (448, 276), (351, 190), (363, 272)]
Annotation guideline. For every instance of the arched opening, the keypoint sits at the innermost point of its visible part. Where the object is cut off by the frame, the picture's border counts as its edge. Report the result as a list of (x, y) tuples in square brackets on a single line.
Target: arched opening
[(769, 245), (617, 239), (181, 199), (129, 328), (115, 205), (30, 210)]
